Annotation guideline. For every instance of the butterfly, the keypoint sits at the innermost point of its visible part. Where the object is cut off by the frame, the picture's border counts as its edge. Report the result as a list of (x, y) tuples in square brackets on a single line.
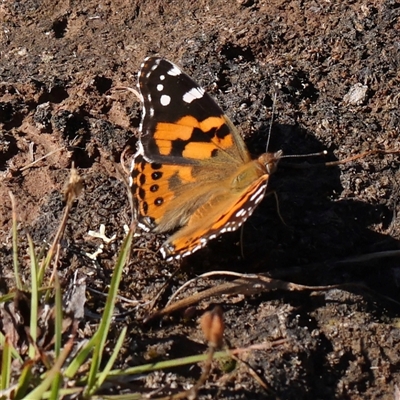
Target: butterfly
[(192, 173)]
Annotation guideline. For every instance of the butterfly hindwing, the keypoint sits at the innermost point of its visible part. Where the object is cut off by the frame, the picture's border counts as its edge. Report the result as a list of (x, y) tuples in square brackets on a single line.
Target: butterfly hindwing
[(228, 214)]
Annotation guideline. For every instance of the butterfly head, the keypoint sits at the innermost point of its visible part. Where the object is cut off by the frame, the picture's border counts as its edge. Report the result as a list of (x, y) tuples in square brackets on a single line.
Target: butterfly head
[(270, 161)]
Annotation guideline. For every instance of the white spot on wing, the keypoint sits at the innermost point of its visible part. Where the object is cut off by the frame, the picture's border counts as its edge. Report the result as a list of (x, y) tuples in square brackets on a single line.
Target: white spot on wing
[(241, 213), (162, 77), (165, 100), (149, 160), (139, 152), (198, 247), (174, 71), (160, 87), (193, 94), (143, 227), (259, 194)]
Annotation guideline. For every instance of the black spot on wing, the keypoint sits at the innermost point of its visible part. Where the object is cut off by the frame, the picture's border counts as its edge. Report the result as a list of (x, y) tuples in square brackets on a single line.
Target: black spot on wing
[(142, 179), (141, 193), (156, 175), (222, 131), (135, 173), (199, 136), (178, 146), (156, 166)]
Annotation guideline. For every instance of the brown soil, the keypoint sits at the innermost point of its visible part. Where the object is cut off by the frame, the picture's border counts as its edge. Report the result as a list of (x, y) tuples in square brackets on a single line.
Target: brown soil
[(60, 63)]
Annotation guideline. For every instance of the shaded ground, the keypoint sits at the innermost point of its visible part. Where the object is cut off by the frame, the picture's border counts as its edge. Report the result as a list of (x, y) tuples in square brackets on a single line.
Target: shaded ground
[(60, 63)]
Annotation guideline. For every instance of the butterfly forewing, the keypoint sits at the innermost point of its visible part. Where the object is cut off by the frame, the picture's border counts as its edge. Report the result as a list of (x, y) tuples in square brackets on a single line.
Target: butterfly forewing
[(181, 123)]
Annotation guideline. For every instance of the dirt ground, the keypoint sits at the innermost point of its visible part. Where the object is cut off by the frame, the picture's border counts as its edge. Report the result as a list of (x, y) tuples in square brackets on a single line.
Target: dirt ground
[(336, 66)]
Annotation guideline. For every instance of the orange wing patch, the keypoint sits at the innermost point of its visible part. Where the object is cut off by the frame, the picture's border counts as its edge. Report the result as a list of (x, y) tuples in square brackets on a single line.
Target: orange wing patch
[(192, 139), (152, 185)]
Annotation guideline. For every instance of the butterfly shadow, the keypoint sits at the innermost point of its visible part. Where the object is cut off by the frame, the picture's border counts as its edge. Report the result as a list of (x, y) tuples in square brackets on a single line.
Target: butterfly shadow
[(308, 232)]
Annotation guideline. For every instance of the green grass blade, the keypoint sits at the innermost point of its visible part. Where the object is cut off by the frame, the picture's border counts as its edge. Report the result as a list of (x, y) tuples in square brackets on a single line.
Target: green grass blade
[(55, 388), (24, 380), (103, 375), (69, 393), (80, 358), (177, 362), (5, 365), (37, 393), (52, 374), (14, 352), (56, 382), (34, 298), (42, 269), (106, 320), (58, 316), (7, 297), (131, 396), (15, 243)]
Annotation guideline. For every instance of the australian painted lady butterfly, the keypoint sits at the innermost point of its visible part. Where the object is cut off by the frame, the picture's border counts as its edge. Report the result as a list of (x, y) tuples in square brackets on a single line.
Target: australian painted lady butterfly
[(192, 172)]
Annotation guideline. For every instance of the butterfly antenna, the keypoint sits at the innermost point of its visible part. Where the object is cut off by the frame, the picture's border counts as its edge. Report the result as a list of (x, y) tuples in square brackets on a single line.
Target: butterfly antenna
[(339, 162), (273, 113), (317, 154)]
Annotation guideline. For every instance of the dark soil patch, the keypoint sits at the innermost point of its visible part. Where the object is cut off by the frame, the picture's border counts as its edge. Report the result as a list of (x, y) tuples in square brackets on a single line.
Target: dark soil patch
[(59, 66)]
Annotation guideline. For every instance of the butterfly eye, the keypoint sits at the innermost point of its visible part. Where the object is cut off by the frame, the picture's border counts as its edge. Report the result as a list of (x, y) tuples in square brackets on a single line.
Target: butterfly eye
[(271, 166), (270, 161)]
